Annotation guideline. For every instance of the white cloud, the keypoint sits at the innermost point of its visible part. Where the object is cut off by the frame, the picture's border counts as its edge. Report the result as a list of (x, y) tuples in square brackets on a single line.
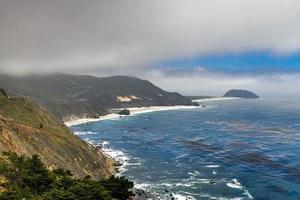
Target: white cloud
[(76, 35), (104, 37), (205, 82)]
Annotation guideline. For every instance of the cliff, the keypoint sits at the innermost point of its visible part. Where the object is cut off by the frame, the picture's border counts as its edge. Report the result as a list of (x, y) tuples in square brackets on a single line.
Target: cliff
[(26, 128)]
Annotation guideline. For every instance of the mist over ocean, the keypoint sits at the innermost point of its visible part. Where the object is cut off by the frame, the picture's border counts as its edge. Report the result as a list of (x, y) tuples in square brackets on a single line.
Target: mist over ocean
[(234, 149)]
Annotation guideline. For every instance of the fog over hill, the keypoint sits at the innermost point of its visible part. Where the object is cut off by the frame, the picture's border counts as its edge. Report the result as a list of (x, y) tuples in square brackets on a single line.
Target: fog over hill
[(88, 96)]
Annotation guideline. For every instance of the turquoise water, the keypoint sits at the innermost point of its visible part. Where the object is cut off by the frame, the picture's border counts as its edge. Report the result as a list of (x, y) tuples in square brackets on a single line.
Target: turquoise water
[(234, 149)]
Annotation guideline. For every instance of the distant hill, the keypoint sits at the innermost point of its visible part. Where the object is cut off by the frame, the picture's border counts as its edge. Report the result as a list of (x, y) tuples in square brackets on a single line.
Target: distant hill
[(69, 96), (26, 128), (241, 93)]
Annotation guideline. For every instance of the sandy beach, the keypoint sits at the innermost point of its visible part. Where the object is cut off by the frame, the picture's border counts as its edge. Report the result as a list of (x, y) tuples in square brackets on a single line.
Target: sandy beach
[(140, 110), (133, 111), (215, 99)]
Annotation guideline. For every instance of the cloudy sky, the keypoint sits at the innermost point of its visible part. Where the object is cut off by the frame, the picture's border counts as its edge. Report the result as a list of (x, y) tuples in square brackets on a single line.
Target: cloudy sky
[(191, 46)]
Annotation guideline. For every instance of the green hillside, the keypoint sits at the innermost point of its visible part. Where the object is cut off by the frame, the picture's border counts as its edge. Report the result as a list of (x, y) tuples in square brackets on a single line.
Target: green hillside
[(68, 96), (28, 129)]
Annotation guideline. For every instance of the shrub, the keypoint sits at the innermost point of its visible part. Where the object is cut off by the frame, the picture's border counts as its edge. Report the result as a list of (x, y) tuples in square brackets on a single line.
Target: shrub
[(28, 178)]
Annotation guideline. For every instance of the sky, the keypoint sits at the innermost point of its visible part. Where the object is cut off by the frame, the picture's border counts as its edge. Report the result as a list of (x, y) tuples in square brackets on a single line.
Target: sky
[(196, 47)]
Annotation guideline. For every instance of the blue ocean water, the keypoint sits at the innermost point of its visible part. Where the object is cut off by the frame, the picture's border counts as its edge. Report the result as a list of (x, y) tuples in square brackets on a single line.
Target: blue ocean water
[(233, 149)]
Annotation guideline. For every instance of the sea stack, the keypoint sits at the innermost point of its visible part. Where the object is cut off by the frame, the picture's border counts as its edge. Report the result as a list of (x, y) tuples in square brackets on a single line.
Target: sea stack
[(124, 112), (241, 94)]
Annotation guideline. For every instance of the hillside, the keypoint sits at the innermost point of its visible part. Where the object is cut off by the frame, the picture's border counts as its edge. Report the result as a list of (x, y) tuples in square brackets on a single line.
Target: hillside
[(88, 96), (26, 128), (241, 93)]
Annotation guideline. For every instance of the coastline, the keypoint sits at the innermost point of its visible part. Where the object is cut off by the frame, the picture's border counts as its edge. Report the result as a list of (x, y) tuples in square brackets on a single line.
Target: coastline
[(133, 111), (122, 160), (215, 99), (141, 110)]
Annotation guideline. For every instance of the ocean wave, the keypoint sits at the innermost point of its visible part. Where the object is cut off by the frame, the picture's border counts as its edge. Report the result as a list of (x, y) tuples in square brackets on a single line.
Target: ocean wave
[(182, 197), (85, 133), (237, 185), (195, 173), (212, 166), (234, 184), (121, 157), (181, 156), (154, 189)]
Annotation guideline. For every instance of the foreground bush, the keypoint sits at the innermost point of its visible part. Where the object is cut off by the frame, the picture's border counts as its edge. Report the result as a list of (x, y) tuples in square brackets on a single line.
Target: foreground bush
[(28, 178)]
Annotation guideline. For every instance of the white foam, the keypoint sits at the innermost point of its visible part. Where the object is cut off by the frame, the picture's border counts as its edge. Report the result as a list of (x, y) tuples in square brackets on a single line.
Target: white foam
[(195, 173), (116, 155), (212, 166), (237, 185), (175, 184), (87, 120), (142, 186), (234, 184), (84, 133), (181, 156), (182, 197), (247, 193)]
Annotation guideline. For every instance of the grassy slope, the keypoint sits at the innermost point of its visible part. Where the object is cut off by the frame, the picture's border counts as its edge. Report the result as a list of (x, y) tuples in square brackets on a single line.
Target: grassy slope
[(20, 131)]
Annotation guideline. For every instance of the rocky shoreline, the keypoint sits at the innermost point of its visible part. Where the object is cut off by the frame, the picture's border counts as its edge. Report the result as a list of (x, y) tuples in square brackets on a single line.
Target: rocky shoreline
[(115, 113)]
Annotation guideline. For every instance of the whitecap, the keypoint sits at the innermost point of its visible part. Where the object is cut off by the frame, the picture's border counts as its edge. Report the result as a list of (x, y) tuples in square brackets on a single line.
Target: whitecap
[(212, 166), (247, 193), (234, 184), (142, 186), (195, 173), (237, 185), (182, 197), (181, 156), (84, 133)]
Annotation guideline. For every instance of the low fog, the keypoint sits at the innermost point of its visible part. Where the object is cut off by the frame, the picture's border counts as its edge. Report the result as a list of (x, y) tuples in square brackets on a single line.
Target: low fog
[(131, 37)]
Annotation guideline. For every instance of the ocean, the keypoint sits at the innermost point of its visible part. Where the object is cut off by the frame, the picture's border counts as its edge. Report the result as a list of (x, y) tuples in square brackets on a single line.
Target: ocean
[(231, 149)]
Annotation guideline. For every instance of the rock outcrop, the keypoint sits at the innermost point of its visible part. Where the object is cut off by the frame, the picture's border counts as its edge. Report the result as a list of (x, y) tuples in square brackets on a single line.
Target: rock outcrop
[(124, 112), (241, 94)]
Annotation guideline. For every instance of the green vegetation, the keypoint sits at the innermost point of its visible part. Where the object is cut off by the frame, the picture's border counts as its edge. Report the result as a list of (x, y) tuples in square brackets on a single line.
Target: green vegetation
[(26, 128), (28, 178), (3, 93), (87, 96)]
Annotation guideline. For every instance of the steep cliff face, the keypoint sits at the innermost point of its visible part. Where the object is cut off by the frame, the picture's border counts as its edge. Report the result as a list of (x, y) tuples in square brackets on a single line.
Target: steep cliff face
[(88, 96), (29, 129)]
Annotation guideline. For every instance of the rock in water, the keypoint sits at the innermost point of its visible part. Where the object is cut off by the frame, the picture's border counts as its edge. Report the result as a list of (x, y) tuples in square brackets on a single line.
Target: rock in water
[(124, 112), (241, 93)]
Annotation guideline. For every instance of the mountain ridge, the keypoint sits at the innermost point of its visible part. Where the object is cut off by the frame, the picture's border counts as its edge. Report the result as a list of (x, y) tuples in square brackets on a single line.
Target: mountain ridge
[(88, 96)]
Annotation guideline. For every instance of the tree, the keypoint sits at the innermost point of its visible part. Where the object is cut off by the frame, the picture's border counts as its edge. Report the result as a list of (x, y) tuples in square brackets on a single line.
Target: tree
[(37, 175), (3, 92), (28, 178), (119, 187)]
